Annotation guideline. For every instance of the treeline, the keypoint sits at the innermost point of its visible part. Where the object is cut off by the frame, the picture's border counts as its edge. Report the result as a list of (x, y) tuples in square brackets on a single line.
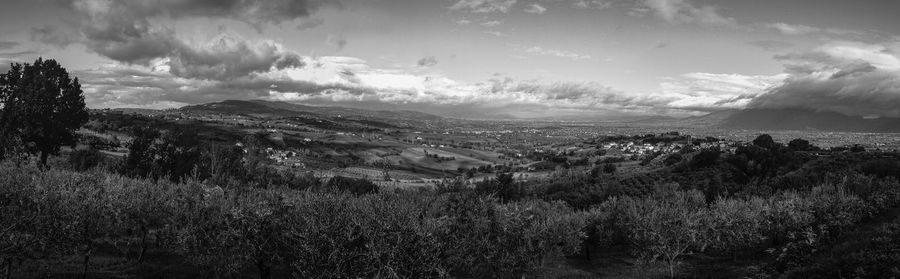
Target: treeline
[(177, 154)]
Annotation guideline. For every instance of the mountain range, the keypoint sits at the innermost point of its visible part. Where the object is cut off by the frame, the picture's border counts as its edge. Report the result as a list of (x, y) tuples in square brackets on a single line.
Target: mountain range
[(747, 119), (781, 119)]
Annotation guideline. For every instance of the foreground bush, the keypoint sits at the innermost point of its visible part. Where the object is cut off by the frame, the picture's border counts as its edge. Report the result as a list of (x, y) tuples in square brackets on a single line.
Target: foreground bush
[(51, 215), (400, 234)]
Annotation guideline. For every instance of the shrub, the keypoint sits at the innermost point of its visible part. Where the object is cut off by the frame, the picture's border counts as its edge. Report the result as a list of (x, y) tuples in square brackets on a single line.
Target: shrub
[(609, 168), (484, 240), (706, 158), (667, 229), (881, 168), (875, 256), (382, 235), (673, 159), (765, 141), (82, 160), (801, 145), (356, 186), (735, 225), (503, 186)]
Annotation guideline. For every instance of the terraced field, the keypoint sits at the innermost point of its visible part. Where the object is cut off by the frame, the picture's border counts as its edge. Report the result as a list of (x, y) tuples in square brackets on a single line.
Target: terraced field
[(417, 157)]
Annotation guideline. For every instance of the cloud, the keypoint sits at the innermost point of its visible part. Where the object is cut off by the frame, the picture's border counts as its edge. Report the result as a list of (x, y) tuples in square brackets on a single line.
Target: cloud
[(793, 29), (840, 54), (539, 51), (337, 41), (484, 6), (492, 23), (847, 77), (771, 45), (684, 11), (52, 35), (8, 45), (662, 45), (592, 4), (230, 57), (799, 29), (428, 61), (137, 45), (497, 33), (227, 56), (711, 92), (131, 32), (535, 8), (18, 54), (310, 23), (463, 22), (119, 85), (350, 81), (253, 12)]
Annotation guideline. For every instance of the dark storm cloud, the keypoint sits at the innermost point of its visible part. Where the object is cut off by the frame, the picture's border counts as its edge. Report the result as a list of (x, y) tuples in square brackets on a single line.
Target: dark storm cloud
[(133, 46), (875, 93), (225, 58), (852, 70), (854, 79), (428, 61), (124, 31), (254, 12), (229, 58)]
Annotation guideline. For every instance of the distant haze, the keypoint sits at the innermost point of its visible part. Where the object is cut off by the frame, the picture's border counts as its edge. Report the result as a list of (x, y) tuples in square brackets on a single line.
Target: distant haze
[(561, 59)]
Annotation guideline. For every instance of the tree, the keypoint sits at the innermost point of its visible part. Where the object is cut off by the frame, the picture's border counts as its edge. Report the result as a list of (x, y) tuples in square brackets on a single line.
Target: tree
[(357, 186), (801, 145), (673, 159), (668, 227), (707, 157), (765, 141), (41, 107), (609, 168), (222, 164), (139, 161), (157, 154)]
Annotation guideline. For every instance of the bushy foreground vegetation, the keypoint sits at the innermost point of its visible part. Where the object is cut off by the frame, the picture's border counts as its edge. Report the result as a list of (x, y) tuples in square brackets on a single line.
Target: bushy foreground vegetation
[(313, 234), (409, 234)]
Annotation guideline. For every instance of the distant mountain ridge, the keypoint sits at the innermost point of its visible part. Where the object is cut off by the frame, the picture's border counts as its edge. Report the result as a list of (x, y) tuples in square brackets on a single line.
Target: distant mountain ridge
[(290, 109), (779, 119), (799, 119), (747, 119)]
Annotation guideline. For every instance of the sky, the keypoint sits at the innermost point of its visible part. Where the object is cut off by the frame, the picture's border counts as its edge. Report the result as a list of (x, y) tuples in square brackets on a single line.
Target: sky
[(573, 59)]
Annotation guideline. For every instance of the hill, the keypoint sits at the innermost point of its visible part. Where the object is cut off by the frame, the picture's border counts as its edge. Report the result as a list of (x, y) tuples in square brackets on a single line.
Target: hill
[(340, 116), (290, 109), (780, 120), (796, 119)]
